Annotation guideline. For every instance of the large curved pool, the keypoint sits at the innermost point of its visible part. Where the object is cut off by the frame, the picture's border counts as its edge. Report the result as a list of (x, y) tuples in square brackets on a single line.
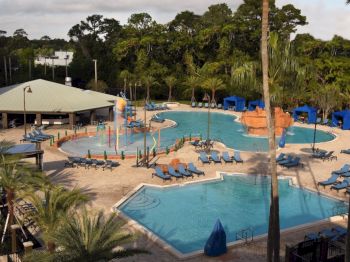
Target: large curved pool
[(223, 128)]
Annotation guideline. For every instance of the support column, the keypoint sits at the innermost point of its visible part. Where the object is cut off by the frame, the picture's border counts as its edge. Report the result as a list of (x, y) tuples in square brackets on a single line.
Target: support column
[(92, 116), (110, 114), (72, 120), (5, 123), (28, 247), (14, 237), (38, 119)]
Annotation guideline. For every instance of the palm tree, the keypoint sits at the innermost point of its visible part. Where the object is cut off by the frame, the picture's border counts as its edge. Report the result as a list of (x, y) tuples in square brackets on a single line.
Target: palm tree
[(16, 178), (273, 244), (85, 238), (53, 208), (192, 82), (213, 84), (170, 81), (149, 81), (125, 75)]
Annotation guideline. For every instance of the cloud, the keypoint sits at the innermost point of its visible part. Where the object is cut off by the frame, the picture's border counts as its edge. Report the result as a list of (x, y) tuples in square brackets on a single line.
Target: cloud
[(55, 18)]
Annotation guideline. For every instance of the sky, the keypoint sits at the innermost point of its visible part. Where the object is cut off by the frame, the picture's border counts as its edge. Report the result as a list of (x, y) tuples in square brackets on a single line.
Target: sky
[(55, 17)]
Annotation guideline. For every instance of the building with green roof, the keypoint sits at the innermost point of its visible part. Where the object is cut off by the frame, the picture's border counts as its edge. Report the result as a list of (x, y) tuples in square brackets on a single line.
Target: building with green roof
[(47, 100)]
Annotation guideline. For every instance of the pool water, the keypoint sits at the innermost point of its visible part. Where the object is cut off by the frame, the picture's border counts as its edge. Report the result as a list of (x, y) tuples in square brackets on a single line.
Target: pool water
[(184, 216), (223, 128)]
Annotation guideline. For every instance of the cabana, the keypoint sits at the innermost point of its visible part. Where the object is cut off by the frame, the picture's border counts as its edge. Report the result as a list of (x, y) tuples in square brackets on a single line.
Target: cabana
[(344, 117), (236, 101), (311, 113), (254, 104)]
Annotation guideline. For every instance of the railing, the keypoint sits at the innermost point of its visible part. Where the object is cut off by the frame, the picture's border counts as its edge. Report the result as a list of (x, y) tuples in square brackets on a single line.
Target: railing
[(245, 234)]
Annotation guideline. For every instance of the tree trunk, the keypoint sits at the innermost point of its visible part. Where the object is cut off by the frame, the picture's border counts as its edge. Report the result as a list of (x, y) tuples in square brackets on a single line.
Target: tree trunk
[(213, 96), (273, 244), (148, 96), (51, 246), (10, 196), (169, 97), (193, 98)]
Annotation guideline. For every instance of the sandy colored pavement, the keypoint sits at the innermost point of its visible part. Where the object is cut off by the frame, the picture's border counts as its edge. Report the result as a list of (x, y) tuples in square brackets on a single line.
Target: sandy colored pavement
[(107, 187)]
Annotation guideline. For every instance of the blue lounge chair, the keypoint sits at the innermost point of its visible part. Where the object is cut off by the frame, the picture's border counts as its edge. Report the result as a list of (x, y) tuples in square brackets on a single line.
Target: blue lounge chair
[(226, 157), (191, 167), (173, 173), (200, 105), (329, 156), (286, 160), (183, 171), (193, 104), (312, 236), (325, 122), (330, 181), (345, 151), (347, 174), (28, 139), (110, 164), (344, 184), (72, 161), (43, 134), (280, 157), (344, 169), (203, 158), (36, 134), (157, 118), (319, 154), (214, 157), (237, 157), (159, 173), (36, 137), (295, 162)]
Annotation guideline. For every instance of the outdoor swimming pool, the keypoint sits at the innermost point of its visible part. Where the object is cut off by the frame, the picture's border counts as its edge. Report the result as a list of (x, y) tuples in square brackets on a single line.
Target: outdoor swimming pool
[(183, 216), (223, 128)]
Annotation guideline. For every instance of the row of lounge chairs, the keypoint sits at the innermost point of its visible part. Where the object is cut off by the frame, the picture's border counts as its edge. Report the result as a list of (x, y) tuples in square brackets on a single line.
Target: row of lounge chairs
[(214, 157), (202, 143), (180, 172), (334, 234), (87, 163), (152, 106), (288, 161), (345, 151), (206, 105), (334, 181), (36, 136), (324, 155)]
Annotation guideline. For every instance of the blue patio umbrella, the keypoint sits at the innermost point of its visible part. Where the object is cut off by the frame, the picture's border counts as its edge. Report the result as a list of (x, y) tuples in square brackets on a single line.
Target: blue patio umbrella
[(216, 243)]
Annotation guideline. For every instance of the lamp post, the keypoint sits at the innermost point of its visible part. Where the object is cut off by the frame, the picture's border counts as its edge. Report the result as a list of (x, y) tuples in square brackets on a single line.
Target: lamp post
[(29, 90)]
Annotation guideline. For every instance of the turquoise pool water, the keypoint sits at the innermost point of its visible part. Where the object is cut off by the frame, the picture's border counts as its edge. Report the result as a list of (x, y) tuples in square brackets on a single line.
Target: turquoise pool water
[(223, 128), (184, 216)]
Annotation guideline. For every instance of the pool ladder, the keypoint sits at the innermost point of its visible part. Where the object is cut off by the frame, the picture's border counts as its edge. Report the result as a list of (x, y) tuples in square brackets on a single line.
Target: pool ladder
[(246, 235)]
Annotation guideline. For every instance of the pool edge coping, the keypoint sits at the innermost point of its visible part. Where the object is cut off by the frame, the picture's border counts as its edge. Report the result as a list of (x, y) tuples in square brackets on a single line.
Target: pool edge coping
[(219, 176)]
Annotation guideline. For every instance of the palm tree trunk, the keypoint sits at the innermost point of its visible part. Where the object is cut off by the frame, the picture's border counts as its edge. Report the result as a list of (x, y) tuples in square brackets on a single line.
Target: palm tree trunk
[(10, 196), (169, 97), (273, 244), (193, 98), (213, 96), (148, 96)]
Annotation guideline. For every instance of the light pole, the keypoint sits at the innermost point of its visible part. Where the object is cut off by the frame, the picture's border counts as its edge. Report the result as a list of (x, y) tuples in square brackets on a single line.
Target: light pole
[(66, 58), (207, 98), (95, 61), (24, 107)]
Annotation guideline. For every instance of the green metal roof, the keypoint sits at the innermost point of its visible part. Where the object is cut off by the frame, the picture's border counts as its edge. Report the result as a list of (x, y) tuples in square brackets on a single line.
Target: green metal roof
[(49, 97)]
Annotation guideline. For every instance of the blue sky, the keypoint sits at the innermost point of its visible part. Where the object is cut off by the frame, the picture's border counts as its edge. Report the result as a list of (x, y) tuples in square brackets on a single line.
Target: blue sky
[(56, 17)]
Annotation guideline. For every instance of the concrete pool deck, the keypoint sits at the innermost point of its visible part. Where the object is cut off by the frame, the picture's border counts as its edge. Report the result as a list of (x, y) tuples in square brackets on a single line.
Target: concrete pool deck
[(108, 187)]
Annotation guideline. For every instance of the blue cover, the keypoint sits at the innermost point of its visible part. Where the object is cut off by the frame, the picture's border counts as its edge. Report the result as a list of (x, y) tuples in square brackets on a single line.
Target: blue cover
[(282, 141), (254, 104), (238, 102), (311, 111), (216, 243), (343, 116)]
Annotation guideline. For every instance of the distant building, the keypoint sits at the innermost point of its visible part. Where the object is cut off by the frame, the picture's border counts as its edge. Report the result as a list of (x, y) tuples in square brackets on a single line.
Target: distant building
[(60, 58)]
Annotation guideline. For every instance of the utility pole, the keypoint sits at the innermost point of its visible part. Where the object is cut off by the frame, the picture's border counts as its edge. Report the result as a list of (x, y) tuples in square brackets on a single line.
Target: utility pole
[(95, 60), (5, 69), (10, 73)]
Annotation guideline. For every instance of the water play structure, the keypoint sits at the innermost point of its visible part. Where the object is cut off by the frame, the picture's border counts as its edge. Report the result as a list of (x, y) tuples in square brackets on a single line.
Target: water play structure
[(255, 121)]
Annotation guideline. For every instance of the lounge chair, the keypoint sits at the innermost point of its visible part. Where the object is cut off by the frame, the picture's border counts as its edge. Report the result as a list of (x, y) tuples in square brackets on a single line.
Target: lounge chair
[(286, 160), (37, 134), (28, 139), (319, 154), (226, 157), (345, 151), (183, 171), (191, 167), (203, 158), (110, 164), (196, 143), (219, 106), (330, 181), (193, 104), (237, 157), (159, 173), (325, 122), (344, 184), (97, 163), (43, 134), (172, 172), (329, 156), (295, 162), (157, 118), (344, 169), (86, 162), (280, 157), (36, 137), (72, 161), (212, 105), (206, 105), (214, 157)]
